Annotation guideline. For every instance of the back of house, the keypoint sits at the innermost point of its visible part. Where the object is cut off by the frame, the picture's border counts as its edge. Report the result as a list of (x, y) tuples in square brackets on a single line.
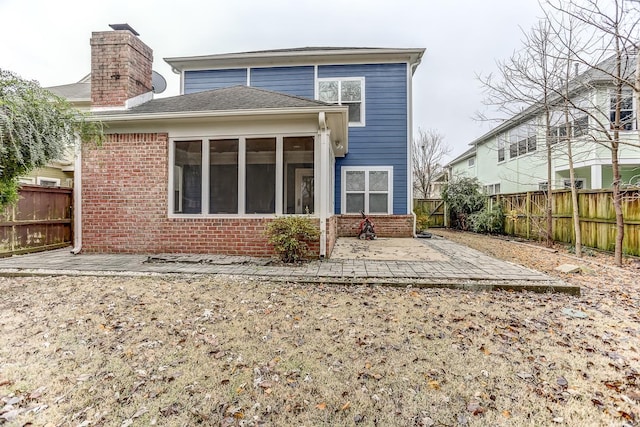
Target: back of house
[(253, 135)]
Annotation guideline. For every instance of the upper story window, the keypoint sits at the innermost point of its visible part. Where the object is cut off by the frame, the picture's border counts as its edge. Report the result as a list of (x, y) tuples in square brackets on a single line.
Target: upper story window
[(345, 91), (521, 141), (501, 145), (627, 116), (472, 162)]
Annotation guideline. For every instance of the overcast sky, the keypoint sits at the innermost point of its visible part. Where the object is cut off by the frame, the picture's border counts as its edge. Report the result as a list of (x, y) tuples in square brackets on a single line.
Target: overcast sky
[(49, 40)]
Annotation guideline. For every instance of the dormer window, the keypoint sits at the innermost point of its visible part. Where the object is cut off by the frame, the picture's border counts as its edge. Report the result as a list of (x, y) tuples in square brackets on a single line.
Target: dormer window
[(345, 91)]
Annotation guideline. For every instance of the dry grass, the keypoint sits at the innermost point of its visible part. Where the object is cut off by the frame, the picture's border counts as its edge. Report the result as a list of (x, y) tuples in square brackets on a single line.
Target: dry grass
[(226, 351)]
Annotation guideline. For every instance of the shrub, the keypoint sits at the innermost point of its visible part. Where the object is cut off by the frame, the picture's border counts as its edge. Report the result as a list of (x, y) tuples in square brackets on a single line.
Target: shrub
[(463, 198), (291, 235), (422, 218), (488, 220)]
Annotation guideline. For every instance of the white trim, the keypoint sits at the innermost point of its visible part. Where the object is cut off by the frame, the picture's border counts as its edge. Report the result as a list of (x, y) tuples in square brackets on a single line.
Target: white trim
[(297, 58), (126, 117), (279, 184), (242, 173), (410, 144), (129, 103), (28, 180), (249, 76), (206, 169), (206, 161), (363, 109), (55, 181), (566, 183), (367, 169), (77, 200), (596, 177)]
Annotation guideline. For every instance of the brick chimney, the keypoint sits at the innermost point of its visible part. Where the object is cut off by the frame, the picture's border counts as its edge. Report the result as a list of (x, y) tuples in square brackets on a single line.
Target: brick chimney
[(120, 68)]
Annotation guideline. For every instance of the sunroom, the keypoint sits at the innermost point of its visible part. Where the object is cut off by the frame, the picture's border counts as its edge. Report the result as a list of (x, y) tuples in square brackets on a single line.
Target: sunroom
[(233, 156)]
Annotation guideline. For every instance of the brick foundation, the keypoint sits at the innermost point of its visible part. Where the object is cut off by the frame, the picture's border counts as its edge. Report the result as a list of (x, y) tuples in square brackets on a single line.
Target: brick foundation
[(385, 225)]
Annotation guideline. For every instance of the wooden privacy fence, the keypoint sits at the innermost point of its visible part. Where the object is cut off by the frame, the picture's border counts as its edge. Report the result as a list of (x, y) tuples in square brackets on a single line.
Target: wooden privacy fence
[(525, 217), (432, 209), (40, 220)]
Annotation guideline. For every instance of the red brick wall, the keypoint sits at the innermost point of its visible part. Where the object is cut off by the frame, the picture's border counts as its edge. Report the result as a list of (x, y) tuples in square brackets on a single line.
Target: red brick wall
[(120, 68), (385, 225), (124, 206)]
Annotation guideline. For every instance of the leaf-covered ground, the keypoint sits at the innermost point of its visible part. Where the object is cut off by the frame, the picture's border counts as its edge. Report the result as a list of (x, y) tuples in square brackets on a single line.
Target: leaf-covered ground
[(198, 350)]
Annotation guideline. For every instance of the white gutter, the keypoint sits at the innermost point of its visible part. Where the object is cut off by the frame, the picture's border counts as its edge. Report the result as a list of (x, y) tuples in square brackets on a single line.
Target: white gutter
[(77, 202), (209, 113), (323, 160)]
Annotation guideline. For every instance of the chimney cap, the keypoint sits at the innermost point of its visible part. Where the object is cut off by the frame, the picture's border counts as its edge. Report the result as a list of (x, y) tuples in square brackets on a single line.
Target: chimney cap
[(125, 27)]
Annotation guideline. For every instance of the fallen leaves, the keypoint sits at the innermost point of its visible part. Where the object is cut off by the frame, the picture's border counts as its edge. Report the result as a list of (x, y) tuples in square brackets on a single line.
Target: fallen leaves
[(223, 351)]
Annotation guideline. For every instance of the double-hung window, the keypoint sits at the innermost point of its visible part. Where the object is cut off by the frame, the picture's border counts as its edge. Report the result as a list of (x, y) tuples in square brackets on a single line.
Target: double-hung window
[(345, 91), (367, 189), (627, 117)]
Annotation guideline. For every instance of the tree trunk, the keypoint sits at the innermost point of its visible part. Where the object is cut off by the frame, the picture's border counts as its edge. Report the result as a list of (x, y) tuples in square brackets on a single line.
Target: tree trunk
[(574, 203), (617, 197), (548, 210)]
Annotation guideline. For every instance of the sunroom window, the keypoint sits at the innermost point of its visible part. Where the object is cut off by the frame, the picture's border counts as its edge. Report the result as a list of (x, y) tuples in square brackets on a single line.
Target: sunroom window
[(367, 189), (345, 91), (271, 175)]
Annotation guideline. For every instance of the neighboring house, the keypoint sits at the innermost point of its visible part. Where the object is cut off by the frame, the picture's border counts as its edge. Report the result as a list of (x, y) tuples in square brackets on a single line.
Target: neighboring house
[(513, 157), (59, 173), (253, 136)]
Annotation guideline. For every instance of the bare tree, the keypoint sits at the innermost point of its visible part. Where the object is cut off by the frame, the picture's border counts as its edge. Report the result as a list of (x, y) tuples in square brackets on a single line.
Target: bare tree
[(429, 150), (611, 53), (523, 90)]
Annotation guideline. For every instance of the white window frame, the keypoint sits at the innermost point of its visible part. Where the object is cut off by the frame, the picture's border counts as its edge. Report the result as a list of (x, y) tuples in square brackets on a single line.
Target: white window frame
[(54, 181), (366, 170), (567, 183), (362, 121), (626, 92), (205, 162), (490, 189), (501, 147), (472, 162), (27, 180)]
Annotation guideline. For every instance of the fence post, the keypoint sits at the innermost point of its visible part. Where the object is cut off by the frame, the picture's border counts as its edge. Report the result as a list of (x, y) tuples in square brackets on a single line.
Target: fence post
[(528, 208)]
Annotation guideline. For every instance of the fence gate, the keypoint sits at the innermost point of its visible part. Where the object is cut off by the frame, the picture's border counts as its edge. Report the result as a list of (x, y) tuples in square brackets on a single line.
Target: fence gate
[(41, 220)]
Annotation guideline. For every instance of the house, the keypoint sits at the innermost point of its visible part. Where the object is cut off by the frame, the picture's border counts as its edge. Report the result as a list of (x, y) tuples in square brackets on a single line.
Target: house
[(252, 136), (59, 173), (512, 157)]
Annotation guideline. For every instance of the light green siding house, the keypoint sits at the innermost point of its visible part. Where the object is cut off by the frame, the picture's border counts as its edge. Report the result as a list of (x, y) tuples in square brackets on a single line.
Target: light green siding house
[(512, 157)]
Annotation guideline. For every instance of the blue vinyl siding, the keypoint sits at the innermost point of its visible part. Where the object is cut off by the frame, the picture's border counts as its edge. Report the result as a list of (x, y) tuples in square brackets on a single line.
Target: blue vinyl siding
[(197, 81), (297, 81), (383, 139)]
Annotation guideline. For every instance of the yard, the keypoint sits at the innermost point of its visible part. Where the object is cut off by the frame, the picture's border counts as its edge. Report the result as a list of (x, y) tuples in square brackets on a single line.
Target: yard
[(187, 350)]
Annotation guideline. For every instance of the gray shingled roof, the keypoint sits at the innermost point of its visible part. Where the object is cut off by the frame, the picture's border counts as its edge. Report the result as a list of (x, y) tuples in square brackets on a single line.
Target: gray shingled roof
[(80, 91), (225, 99)]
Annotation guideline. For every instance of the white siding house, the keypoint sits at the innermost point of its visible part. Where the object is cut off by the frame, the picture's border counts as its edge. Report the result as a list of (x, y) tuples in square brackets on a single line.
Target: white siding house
[(513, 156)]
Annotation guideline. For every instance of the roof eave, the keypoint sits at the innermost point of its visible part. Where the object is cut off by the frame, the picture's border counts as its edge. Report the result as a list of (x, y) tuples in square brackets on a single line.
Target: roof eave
[(410, 55), (123, 116)]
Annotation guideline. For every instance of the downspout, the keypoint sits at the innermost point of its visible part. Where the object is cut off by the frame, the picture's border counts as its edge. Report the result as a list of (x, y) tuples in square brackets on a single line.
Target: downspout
[(410, 72), (77, 202), (324, 151)]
